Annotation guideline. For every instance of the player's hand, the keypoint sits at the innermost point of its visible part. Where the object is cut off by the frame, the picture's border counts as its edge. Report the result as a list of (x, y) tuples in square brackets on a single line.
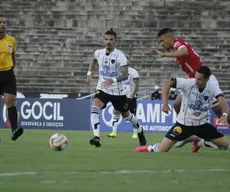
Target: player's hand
[(223, 119), (165, 108), (107, 83), (89, 80), (158, 53)]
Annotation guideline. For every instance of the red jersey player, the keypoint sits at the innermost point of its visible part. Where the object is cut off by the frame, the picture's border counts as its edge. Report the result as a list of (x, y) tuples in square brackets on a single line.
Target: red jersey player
[(188, 60)]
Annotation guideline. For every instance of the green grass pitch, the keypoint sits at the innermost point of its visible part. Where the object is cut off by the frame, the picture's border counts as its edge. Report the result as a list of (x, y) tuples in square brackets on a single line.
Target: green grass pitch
[(30, 165)]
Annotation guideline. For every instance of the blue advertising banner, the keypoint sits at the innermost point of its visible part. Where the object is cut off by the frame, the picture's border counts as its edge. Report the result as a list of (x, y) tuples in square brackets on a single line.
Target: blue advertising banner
[(72, 114), (223, 128), (149, 114), (69, 114), (151, 118)]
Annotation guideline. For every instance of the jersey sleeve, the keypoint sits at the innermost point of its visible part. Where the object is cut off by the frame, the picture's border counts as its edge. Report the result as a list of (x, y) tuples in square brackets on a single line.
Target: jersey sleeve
[(122, 60), (178, 44), (216, 90), (135, 74), (182, 83), (96, 53), (14, 48)]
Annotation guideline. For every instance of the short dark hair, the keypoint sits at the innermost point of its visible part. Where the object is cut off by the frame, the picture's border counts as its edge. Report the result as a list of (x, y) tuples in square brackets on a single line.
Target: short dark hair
[(164, 31), (1, 15), (111, 32), (205, 71)]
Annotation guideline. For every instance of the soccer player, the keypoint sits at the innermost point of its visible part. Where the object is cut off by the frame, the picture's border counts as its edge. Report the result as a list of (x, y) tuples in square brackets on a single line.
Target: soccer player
[(8, 46), (189, 62), (197, 97), (113, 69), (130, 87)]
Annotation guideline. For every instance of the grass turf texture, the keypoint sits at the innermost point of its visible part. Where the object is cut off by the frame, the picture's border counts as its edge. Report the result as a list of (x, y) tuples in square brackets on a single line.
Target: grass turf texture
[(85, 168)]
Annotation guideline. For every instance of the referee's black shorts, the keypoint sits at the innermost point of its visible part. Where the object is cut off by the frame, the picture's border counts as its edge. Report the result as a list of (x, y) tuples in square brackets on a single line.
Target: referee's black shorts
[(8, 82)]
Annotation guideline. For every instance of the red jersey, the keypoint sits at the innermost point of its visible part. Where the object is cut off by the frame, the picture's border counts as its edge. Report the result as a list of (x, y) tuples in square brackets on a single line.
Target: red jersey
[(190, 63)]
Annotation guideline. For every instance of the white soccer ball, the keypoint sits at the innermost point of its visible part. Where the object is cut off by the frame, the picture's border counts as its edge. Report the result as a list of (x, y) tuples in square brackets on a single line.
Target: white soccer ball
[(58, 141)]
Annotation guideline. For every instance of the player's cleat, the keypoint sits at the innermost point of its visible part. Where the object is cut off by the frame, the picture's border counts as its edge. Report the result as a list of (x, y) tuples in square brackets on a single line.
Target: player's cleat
[(134, 136), (196, 147), (141, 137), (142, 149), (113, 135), (182, 143), (95, 141), (17, 133)]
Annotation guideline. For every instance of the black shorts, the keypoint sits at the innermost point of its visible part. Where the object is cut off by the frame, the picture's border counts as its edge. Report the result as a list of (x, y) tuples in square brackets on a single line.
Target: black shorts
[(8, 82), (119, 101), (132, 103), (180, 132)]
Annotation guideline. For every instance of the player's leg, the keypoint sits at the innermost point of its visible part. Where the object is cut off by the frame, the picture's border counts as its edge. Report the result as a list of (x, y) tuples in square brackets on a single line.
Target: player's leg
[(176, 133), (132, 103), (176, 106), (140, 131), (99, 101), (116, 117), (120, 104), (211, 137), (9, 93), (188, 140)]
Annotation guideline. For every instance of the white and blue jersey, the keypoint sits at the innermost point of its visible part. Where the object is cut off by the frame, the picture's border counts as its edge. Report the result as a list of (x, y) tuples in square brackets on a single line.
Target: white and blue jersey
[(195, 105), (129, 84), (109, 67)]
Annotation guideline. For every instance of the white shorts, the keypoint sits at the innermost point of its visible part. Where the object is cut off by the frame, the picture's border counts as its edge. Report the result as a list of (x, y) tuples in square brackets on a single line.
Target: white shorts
[(213, 80)]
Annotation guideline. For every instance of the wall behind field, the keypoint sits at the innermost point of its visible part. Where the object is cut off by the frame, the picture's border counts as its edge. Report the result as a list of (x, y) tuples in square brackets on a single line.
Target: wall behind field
[(57, 38)]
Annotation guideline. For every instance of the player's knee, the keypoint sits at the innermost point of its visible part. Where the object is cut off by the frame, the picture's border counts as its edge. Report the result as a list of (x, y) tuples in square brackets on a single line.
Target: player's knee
[(222, 143), (126, 115), (10, 102), (98, 103)]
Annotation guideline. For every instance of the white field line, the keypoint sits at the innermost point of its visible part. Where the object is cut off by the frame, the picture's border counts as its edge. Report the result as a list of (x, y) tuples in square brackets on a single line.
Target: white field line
[(11, 174)]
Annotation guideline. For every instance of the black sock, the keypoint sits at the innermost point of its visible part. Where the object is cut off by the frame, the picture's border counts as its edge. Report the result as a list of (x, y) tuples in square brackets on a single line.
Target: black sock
[(13, 117)]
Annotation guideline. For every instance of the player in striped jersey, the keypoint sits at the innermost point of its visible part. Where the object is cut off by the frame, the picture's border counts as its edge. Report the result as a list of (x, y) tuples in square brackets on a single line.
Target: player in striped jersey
[(130, 87), (189, 62), (197, 97), (113, 69)]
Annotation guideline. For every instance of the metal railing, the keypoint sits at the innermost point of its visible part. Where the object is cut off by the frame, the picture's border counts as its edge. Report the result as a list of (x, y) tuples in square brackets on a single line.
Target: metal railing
[(147, 95)]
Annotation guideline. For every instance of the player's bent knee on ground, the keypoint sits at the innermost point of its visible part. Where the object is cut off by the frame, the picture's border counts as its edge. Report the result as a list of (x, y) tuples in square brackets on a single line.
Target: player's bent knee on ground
[(222, 142), (165, 145)]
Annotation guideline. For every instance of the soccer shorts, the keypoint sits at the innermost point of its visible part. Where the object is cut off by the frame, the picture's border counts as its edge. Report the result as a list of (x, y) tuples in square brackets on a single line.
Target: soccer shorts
[(119, 102), (132, 103), (8, 82), (180, 132)]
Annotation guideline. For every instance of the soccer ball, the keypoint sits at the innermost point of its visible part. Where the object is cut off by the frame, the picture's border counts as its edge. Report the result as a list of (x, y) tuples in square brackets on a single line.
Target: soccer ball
[(58, 141)]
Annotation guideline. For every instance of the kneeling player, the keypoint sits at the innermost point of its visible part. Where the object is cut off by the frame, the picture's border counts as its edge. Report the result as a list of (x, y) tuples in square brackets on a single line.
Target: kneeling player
[(197, 97)]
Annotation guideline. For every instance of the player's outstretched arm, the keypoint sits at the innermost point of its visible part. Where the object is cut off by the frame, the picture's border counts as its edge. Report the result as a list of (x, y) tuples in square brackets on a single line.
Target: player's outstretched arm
[(179, 53), (165, 92)]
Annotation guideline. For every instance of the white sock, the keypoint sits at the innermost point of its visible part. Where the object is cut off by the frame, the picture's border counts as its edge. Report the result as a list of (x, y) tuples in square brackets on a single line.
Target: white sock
[(203, 143), (95, 122), (115, 122), (153, 148), (134, 131), (133, 119)]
